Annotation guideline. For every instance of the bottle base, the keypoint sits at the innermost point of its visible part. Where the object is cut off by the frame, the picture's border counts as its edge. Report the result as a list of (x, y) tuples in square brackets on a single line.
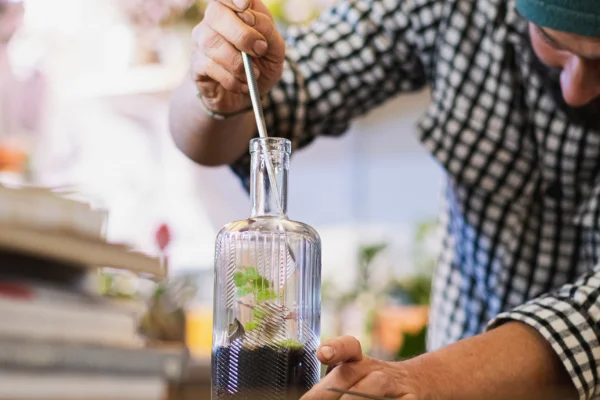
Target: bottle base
[(264, 373)]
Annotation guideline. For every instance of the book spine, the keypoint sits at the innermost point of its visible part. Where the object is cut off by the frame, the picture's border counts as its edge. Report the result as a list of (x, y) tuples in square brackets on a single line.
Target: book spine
[(42, 209), (62, 357), (16, 385), (52, 322)]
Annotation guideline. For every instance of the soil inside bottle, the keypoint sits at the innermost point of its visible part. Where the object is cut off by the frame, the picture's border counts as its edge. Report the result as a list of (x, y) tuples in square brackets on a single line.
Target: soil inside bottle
[(263, 373)]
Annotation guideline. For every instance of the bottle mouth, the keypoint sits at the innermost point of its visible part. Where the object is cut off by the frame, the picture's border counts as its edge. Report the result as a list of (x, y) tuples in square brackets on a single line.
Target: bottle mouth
[(271, 145)]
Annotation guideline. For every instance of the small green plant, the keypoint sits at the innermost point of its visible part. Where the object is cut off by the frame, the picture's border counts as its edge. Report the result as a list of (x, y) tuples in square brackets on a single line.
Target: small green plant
[(249, 281), (266, 316)]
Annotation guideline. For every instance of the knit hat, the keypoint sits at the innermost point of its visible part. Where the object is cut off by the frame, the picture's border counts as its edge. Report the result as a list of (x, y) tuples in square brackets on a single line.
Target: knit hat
[(581, 17)]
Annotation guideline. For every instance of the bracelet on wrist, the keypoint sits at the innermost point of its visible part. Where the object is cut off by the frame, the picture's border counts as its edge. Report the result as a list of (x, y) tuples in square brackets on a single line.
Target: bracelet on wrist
[(217, 116)]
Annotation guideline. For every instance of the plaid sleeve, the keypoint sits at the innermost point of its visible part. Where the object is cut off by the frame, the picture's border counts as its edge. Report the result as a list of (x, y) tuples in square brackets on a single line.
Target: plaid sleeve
[(353, 58), (569, 319)]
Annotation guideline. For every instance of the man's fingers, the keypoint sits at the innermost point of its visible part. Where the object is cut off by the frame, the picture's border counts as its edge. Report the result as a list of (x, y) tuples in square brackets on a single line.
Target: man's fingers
[(376, 383), (340, 350), (230, 58), (343, 377), (236, 5), (260, 6), (261, 23), (204, 69), (219, 74), (234, 30), (264, 25), (243, 5)]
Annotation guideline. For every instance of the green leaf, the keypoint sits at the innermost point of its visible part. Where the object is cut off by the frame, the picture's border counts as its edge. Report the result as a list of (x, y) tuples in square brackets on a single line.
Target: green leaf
[(240, 279), (252, 274), (248, 281), (261, 283), (250, 325), (264, 295), (258, 313)]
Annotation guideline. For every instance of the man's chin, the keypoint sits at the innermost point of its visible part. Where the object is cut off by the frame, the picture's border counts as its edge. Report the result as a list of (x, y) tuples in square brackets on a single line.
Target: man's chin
[(587, 116)]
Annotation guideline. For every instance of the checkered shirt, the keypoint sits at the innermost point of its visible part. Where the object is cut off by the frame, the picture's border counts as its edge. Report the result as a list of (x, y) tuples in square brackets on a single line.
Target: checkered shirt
[(521, 212)]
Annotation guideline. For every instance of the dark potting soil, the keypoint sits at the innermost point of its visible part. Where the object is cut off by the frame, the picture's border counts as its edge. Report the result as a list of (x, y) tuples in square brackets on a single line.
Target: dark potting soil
[(263, 374)]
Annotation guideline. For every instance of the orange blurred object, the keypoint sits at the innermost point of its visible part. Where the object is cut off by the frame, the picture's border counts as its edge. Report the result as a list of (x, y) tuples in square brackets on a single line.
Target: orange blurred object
[(198, 334), (392, 322), (12, 159)]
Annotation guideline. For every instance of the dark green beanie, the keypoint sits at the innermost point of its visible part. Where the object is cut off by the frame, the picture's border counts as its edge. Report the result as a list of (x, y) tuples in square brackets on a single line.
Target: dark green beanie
[(581, 17)]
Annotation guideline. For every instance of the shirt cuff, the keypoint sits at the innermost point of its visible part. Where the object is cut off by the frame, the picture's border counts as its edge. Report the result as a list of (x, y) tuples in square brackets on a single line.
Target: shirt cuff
[(570, 331)]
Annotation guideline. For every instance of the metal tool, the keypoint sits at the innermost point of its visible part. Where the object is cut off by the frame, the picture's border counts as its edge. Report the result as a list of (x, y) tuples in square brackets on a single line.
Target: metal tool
[(358, 394), (255, 95), (262, 131)]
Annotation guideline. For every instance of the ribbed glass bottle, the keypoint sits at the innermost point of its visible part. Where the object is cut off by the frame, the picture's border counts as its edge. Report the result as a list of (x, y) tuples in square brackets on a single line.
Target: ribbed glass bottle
[(267, 304)]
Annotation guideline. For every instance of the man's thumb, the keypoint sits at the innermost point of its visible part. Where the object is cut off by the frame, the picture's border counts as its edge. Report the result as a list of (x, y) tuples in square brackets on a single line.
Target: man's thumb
[(340, 350)]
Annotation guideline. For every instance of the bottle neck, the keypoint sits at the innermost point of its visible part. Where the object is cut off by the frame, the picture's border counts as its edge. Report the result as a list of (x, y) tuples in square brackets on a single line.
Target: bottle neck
[(269, 200)]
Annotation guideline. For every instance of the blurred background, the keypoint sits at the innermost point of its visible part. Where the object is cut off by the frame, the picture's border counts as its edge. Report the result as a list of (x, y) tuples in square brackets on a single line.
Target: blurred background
[(84, 91)]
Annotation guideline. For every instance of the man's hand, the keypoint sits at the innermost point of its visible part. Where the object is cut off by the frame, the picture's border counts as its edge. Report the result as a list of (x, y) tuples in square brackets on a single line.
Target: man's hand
[(511, 362), (356, 372), (228, 28)]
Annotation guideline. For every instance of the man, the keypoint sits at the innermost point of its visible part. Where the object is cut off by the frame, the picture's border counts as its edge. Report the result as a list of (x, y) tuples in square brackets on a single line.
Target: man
[(515, 122)]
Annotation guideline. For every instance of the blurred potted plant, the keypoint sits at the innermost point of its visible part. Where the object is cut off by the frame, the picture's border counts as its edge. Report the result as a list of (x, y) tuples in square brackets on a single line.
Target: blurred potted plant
[(165, 319), (416, 289), (362, 299), (407, 312)]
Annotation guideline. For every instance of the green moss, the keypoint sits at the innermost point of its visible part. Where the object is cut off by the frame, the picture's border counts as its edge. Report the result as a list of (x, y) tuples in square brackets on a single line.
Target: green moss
[(290, 344)]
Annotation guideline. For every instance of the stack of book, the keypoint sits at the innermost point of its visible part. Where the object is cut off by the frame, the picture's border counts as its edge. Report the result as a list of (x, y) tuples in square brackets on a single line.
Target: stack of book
[(59, 339)]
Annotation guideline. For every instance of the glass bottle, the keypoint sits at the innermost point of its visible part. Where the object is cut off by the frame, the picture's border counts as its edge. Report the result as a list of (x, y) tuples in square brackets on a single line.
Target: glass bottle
[(267, 299)]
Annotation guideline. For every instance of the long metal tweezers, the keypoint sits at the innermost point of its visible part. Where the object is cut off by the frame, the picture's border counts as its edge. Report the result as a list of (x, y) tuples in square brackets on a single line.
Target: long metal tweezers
[(357, 394)]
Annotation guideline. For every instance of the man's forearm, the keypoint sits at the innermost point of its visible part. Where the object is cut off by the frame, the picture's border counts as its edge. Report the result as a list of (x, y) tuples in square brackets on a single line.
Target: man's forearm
[(511, 362), (205, 140)]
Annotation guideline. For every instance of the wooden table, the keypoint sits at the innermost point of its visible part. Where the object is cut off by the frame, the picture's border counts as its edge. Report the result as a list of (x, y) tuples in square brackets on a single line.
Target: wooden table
[(196, 384)]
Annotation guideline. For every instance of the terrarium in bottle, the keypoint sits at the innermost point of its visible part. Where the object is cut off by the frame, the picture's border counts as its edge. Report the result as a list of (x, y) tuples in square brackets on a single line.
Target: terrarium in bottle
[(267, 299)]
